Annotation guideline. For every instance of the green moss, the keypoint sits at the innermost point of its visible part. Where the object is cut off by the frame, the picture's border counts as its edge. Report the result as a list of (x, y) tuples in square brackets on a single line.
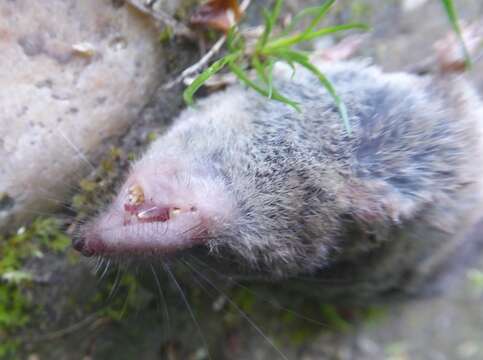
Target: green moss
[(396, 350), (475, 278), (109, 163), (334, 317), (43, 235), (8, 348), (245, 299), (87, 185), (127, 298), (131, 156), (285, 316), (292, 317), (152, 136), (98, 187), (166, 35), (118, 294)]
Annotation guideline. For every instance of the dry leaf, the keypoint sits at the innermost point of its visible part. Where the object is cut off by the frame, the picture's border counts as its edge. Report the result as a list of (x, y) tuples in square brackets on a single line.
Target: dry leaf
[(217, 14)]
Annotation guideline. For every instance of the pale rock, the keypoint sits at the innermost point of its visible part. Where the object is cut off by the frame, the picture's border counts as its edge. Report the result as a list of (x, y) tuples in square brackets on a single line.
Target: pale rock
[(411, 5), (72, 75)]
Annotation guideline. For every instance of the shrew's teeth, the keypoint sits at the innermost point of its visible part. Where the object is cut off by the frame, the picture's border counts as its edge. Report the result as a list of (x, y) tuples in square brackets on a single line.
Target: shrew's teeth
[(173, 212), (146, 213)]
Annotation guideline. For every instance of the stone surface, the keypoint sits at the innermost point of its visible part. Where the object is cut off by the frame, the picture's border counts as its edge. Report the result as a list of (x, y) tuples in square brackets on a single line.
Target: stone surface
[(73, 74)]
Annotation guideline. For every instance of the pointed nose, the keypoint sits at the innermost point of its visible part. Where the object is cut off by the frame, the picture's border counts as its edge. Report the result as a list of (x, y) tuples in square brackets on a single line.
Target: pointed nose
[(79, 244)]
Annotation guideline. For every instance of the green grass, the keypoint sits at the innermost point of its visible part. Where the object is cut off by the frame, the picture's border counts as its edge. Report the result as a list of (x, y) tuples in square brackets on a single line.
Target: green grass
[(278, 45), (272, 47), (450, 9)]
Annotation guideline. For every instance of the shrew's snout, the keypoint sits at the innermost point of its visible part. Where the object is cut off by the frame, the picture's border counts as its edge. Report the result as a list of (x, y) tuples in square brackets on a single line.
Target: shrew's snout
[(79, 244), (89, 242)]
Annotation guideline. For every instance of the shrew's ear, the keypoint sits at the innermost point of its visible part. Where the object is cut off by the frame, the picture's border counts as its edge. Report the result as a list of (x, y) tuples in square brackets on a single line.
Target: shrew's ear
[(377, 201)]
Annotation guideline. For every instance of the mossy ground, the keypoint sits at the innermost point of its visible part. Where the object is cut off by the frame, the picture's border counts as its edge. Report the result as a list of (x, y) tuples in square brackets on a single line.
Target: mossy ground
[(43, 235)]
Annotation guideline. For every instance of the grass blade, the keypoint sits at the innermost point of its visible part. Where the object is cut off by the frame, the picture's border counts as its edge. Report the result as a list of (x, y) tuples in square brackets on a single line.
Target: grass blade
[(310, 11), (333, 30), (205, 75), (233, 41), (259, 68), (453, 19), (324, 9), (266, 31), (270, 78), (275, 95), (270, 20), (276, 11), (304, 61), (265, 73), (289, 41)]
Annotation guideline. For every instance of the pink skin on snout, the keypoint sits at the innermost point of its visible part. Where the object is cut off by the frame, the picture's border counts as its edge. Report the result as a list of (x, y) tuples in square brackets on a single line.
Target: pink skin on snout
[(159, 211)]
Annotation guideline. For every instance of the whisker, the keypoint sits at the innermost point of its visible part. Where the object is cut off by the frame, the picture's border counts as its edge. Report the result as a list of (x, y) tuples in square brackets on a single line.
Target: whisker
[(188, 306), (115, 285), (242, 313), (254, 293), (348, 282), (76, 149), (198, 282), (99, 263), (46, 213), (191, 228), (105, 270), (163, 299)]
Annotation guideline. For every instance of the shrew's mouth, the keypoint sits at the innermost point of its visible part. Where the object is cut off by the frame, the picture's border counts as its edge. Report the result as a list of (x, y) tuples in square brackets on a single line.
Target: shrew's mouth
[(148, 214), (139, 210)]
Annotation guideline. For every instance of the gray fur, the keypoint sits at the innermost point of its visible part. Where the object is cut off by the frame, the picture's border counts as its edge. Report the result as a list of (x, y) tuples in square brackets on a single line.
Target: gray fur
[(383, 207), (299, 178)]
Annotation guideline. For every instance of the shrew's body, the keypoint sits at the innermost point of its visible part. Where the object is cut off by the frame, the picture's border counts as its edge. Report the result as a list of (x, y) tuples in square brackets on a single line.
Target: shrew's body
[(269, 192)]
